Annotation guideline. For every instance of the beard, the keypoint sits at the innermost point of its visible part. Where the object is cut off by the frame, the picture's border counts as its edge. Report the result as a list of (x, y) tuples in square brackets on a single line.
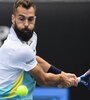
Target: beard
[(23, 34)]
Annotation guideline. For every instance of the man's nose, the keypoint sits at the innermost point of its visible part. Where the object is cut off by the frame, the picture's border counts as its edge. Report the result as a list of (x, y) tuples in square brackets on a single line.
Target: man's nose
[(26, 23)]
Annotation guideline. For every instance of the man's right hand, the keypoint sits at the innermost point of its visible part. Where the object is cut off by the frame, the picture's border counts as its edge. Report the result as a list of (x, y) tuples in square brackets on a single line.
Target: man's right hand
[(67, 80)]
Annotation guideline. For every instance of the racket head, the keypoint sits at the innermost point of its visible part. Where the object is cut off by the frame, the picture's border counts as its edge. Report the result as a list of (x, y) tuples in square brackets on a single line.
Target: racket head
[(85, 79)]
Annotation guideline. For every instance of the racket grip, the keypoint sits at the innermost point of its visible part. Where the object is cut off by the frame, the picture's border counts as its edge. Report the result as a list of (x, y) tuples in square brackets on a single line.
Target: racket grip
[(79, 79)]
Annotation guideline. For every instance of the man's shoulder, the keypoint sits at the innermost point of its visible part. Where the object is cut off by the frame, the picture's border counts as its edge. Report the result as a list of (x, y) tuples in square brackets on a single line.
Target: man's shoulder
[(11, 43)]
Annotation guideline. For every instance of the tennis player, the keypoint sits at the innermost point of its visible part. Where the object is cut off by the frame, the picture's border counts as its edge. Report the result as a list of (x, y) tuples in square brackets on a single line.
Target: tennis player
[(19, 63)]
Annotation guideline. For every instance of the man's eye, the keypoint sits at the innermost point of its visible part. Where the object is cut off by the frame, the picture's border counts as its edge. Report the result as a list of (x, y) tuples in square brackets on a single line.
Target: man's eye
[(21, 19), (31, 18)]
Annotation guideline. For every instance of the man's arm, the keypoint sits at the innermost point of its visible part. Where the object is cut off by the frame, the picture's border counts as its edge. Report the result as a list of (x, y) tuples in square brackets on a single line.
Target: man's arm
[(46, 67), (43, 64), (49, 79)]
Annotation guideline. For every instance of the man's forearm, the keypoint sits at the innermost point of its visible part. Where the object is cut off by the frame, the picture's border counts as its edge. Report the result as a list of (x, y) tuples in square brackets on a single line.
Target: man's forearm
[(47, 67), (50, 71)]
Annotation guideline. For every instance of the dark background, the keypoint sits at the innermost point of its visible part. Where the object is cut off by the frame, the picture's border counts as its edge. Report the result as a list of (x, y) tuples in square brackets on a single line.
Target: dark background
[(63, 37)]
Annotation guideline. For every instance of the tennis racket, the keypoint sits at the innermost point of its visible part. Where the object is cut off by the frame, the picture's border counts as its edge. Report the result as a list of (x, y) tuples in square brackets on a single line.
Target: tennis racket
[(85, 79)]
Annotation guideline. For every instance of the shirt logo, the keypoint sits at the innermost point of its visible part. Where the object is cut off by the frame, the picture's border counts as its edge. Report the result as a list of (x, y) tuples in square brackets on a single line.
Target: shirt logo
[(28, 62)]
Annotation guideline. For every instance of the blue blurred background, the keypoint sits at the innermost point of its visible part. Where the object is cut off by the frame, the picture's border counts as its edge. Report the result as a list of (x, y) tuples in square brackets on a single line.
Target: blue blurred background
[(51, 94)]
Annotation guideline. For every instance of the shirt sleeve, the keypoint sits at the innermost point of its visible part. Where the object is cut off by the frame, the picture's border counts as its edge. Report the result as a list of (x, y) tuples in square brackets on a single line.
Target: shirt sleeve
[(23, 58)]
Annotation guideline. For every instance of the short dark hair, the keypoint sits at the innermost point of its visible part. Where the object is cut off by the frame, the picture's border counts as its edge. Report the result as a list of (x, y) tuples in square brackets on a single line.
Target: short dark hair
[(24, 3)]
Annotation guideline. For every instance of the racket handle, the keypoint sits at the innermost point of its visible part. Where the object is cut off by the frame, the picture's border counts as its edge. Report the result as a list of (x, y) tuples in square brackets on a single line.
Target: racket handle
[(79, 79)]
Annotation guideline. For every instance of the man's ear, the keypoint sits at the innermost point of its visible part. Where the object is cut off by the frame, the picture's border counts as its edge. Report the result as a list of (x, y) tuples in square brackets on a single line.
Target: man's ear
[(13, 19)]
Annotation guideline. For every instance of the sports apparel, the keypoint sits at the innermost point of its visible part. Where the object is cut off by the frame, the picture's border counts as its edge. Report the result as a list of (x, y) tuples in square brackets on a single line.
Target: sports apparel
[(16, 59), (54, 70)]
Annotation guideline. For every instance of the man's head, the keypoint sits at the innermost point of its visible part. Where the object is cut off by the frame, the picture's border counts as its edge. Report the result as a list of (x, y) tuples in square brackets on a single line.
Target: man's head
[(23, 18)]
